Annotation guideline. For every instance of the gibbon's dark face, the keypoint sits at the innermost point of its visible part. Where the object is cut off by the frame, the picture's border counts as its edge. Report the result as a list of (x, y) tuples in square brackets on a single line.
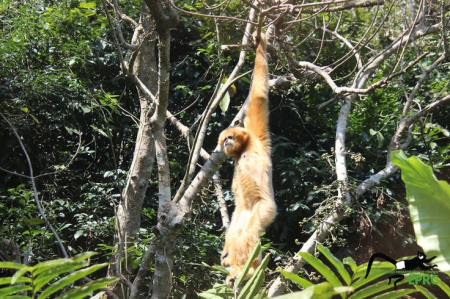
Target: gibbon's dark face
[(233, 141), (228, 141)]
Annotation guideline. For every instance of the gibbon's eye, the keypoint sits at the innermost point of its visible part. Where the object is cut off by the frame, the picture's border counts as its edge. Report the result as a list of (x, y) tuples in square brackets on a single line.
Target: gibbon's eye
[(227, 139)]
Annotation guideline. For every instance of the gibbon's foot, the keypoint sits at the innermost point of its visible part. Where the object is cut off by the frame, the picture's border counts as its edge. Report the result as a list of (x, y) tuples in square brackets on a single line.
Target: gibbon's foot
[(238, 250), (235, 255), (236, 271)]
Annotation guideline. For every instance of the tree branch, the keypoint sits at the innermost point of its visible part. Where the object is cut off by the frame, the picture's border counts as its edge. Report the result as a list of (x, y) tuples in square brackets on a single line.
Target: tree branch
[(345, 195), (223, 205), (35, 192)]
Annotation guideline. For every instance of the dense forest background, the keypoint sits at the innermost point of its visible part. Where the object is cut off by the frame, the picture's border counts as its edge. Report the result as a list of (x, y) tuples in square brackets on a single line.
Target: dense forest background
[(110, 113)]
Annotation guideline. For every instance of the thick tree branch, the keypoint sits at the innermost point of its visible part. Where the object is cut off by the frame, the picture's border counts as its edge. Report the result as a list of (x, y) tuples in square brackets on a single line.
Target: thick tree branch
[(163, 21)]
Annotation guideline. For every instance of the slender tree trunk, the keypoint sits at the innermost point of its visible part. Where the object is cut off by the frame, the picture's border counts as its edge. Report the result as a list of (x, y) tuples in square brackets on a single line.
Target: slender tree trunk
[(128, 216)]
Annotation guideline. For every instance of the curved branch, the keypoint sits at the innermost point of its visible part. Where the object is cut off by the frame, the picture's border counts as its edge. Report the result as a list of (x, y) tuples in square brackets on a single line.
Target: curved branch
[(119, 16), (219, 17), (33, 184), (163, 21), (217, 157)]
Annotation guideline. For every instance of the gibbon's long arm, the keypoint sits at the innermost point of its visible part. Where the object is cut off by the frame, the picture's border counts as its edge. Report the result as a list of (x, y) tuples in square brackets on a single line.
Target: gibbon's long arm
[(257, 120)]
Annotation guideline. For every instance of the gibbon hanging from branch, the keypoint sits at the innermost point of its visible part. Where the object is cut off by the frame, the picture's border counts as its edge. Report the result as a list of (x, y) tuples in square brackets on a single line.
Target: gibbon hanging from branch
[(250, 148)]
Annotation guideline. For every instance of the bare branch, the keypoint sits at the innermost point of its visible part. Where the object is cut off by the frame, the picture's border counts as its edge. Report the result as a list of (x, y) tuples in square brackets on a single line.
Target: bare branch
[(33, 184), (118, 17), (116, 42), (411, 120), (218, 17), (217, 157), (425, 74), (186, 132), (223, 205), (346, 195)]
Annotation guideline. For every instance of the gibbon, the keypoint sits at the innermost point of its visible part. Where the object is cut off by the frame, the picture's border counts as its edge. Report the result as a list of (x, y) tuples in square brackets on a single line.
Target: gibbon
[(250, 149)]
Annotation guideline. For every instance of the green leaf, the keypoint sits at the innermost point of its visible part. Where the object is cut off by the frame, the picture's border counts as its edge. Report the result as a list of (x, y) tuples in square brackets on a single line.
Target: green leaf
[(380, 139), (395, 294), (351, 262), (83, 291), (255, 282), (20, 273), (322, 268), (32, 221), (217, 268), (253, 255), (444, 287), (322, 290), (225, 102), (429, 207), (425, 292), (217, 292), (53, 272), (10, 290), (83, 256), (336, 263), (70, 279), (65, 265), (296, 279), (11, 265), (7, 280), (35, 119), (373, 289), (87, 5)]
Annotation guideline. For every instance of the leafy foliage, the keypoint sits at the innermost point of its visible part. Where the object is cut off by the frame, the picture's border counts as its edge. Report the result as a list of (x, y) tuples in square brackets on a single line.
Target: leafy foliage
[(349, 284), (428, 206), (245, 289), (55, 277)]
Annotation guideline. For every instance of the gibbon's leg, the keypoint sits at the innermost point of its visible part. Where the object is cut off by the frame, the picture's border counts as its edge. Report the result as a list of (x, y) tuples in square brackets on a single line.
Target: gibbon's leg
[(263, 214), (252, 224), (238, 257), (233, 231), (238, 246), (243, 235), (239, 243)]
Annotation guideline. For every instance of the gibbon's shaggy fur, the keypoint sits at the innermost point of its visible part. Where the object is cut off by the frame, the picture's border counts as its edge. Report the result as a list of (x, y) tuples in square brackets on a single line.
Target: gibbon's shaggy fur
[(252, 180)]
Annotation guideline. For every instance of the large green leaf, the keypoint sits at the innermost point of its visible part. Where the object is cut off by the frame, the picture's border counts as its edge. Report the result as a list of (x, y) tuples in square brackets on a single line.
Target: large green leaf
[(323, 269), (336, 263), (58, 285), (429, 207), (219, 291), (88, 288), (322, 290), (304, 283), (377, 288), (253, 285), (255, 252)]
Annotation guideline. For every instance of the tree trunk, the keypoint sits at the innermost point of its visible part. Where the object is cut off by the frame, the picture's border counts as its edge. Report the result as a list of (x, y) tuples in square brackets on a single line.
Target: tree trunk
[(128, 216)]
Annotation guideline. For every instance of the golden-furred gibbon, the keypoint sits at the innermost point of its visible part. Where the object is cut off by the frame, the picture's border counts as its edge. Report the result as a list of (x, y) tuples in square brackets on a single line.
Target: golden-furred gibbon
[(250, 148)]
